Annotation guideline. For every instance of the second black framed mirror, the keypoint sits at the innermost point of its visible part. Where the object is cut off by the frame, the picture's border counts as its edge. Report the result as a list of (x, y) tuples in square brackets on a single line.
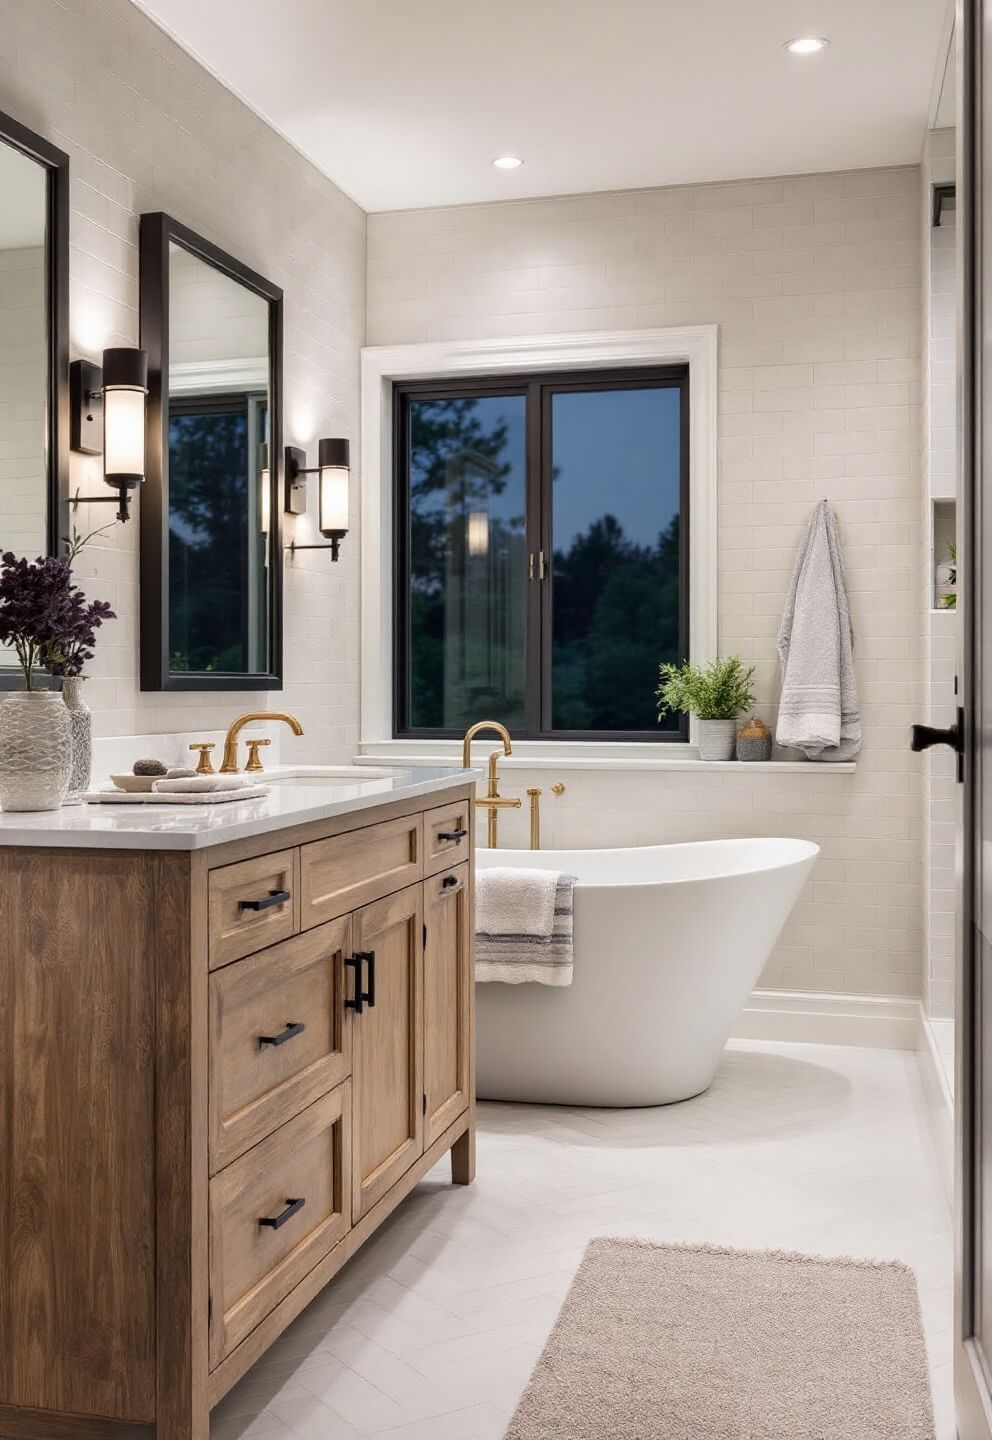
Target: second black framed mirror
[(34, 352), (211, 527)]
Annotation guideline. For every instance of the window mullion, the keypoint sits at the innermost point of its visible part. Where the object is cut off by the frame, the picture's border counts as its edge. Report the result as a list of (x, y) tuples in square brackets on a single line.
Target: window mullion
[(535, 541)]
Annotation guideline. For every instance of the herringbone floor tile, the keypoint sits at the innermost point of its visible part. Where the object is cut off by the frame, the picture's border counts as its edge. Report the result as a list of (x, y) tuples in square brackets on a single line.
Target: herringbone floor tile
[(431, 1332)]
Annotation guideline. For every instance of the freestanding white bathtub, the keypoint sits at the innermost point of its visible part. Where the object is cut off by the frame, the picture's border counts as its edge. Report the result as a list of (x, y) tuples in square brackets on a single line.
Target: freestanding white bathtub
[(669, 942)]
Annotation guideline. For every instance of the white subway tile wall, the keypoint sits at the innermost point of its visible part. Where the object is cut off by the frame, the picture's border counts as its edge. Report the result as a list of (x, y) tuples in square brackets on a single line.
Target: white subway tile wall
[(146, 128), (815, 284), (940, 792)]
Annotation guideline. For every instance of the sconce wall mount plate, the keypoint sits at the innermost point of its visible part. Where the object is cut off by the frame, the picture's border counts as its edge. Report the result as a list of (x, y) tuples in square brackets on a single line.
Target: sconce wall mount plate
[(86, 407)]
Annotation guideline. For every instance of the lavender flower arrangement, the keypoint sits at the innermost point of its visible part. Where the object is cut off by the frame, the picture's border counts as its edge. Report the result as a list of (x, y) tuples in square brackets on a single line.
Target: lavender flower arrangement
[(45, 618)]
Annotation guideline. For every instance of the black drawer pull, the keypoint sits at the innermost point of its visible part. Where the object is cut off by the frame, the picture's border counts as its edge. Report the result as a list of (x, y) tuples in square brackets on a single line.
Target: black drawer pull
[(452, 834), (293, 1027), (448, 881), (276, 1222), (355, 963), (274, 897)]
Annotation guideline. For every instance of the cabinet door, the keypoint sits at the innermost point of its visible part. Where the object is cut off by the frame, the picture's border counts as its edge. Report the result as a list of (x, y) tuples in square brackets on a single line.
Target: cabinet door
[(387, 1045), (448, 984)]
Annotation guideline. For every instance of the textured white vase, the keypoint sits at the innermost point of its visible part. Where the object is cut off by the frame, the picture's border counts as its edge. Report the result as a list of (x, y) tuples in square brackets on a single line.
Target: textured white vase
[(35, 750), (81, 733), (717, 739)]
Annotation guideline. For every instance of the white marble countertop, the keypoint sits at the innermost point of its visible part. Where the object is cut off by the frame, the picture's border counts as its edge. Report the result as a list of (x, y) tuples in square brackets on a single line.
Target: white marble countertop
[(298, 795)]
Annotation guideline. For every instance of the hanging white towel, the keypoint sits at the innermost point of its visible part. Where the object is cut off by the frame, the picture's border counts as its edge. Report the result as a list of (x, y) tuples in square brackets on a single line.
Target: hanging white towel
[(818, 709)]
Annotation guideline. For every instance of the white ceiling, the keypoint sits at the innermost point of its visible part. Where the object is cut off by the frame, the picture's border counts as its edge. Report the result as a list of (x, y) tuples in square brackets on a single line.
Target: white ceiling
[(406, 104)]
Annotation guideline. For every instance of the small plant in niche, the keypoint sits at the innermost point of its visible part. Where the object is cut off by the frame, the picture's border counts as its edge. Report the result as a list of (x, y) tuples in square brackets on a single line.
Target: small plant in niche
[(715, 693), (948, 600)]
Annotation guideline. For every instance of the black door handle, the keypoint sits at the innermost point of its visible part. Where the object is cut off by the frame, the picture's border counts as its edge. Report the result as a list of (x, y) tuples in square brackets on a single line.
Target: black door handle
[(362, 997), (276, 1222), (274, 897), (925, 736), (355, 962), (451, 834), (293, 1027), (448, 881), (369, 957)]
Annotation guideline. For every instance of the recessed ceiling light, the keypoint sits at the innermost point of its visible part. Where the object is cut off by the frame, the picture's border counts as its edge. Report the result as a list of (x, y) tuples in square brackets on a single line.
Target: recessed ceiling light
[(508, 162), (806, 45)]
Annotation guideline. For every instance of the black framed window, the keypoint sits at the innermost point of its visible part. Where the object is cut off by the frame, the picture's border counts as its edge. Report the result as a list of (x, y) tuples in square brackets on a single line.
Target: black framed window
[(542, 527)]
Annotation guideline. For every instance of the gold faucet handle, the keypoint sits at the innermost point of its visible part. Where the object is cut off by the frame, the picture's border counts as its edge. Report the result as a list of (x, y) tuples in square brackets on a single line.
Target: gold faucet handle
[(254, 763), (204, 766), (558, 788)]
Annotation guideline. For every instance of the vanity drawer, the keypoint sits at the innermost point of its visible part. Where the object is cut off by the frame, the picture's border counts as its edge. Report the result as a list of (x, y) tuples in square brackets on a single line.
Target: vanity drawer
[(280, 1037), (263, 1240), (447, 832), (351, 870), (253, 904)]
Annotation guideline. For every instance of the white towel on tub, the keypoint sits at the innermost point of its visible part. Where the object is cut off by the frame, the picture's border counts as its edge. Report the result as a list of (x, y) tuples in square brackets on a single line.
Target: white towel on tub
[(523, 926)]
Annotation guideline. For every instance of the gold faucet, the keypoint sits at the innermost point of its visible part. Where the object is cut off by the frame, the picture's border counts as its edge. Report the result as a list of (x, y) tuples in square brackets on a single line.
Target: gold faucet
[(229, 765), (492, 801)]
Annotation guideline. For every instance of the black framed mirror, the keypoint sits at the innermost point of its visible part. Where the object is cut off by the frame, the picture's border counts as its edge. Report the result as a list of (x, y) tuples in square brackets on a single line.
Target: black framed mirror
[(34, 351), (211, 524)]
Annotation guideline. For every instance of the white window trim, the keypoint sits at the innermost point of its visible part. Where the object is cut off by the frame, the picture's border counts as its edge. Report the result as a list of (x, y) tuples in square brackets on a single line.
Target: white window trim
[(382, 365)]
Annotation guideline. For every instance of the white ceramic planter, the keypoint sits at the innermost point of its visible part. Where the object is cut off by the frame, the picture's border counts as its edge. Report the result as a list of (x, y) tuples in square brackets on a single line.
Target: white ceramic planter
[(717, 739), (81, 732), (35, 750)]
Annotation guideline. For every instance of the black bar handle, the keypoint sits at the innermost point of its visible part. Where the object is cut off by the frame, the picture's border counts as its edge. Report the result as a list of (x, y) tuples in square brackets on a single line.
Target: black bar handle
[(369, 957), (355, 962), (448, 881), (451, 834), (274, 897), (293, 1028), (276, 1222)]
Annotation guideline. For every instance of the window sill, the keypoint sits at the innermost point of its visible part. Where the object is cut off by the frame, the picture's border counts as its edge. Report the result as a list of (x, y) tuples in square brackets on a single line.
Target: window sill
[(537, 755)]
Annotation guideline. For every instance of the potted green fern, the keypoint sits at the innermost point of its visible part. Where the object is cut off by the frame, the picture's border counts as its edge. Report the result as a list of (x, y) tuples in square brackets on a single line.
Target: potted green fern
[(716, 694)]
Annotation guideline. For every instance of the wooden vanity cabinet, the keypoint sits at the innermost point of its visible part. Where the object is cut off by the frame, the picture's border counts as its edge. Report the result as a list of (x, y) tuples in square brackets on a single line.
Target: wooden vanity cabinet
[(224, 1069)]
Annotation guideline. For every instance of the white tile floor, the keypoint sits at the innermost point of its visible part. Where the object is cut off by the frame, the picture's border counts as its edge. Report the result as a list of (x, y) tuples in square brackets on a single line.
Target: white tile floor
[(432, 1330)]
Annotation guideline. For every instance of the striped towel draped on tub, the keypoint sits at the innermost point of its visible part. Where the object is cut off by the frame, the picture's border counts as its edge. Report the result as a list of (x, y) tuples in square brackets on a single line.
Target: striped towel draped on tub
[(523, 926)]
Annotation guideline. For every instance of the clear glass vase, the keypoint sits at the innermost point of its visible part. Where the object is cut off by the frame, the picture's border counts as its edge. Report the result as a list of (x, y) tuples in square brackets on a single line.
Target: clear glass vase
[(81, 731)]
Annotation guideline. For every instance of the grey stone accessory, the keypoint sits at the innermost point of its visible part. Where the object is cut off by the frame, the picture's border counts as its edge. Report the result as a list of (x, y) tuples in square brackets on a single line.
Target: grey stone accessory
[(35, 750), (81, 733), (754, 741)]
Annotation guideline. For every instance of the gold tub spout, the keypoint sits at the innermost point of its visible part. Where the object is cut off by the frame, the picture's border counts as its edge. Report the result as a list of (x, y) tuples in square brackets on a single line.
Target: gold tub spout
[(229, 765), (478, 729), (492, 801)]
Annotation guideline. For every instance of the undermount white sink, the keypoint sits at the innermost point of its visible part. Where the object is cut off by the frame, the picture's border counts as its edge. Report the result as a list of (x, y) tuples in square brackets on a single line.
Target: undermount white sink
[(327, 775)]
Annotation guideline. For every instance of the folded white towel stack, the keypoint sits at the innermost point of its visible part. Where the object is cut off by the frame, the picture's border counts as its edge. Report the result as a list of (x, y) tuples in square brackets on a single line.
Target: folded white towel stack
[(818, 709), (523, 926), (200, 784)]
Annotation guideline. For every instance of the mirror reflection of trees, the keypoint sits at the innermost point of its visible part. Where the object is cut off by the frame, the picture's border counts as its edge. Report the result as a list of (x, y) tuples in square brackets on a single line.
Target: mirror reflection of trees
[(208, 539)]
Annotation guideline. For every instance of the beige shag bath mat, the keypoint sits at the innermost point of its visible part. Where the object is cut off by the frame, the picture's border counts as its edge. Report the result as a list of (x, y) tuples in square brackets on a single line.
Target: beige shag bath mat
[(681, 1342)]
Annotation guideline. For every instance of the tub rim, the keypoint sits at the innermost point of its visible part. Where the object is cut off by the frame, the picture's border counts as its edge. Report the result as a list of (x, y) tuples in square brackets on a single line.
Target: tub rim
[(807, 852)]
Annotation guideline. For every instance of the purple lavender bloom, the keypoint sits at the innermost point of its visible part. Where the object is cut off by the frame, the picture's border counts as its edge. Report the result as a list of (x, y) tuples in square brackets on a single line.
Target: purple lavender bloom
[(45, 618)]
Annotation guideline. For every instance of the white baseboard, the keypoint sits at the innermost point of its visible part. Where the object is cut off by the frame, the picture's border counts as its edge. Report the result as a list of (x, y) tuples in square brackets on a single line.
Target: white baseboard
[(881, 1021), (940, 1103)]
